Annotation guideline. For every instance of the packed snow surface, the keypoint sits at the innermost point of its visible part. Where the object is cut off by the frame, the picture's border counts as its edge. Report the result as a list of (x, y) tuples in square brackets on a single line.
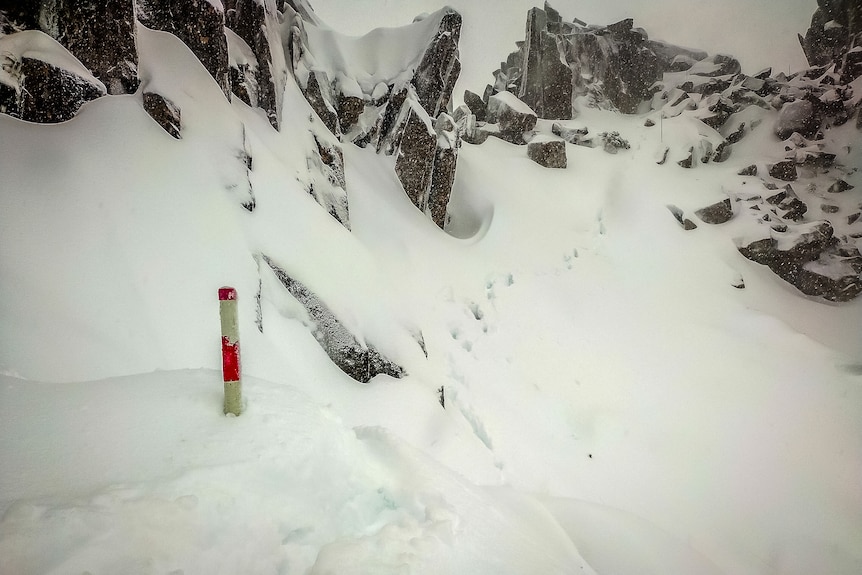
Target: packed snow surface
[(613, 404)]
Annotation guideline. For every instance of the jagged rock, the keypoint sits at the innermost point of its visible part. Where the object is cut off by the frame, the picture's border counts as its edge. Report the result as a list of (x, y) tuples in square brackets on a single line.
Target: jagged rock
[(839, 186), (649, 123), (661, 156), (833, 26), (717, 213), (254, 22), (43, 92), (314, 94), (791, 254), (416, 152), (799, 116), (686, 223), (199, 24), (853, 218), (788, 202), (785, 171), (164, 112), (513, 116), (443, 174), (722, 152), (359, 361), (748, 171), (547, 153), (476, 105), (829, 208), (101, 35), (438, 71)]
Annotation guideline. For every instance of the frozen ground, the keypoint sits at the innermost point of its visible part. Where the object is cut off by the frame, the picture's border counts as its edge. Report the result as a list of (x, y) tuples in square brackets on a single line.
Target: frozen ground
[(613, 404)]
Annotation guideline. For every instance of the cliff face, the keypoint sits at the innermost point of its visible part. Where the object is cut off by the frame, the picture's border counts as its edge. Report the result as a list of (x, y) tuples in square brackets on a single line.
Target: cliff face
[(835, 37)]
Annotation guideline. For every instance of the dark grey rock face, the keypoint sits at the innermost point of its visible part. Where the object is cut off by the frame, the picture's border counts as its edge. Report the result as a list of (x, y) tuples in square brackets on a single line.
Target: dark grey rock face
[(809, 257), (46, 94), (785, 171), (438, 71), (550, 154), (164, 112), (836, 27), (477, 106), (415, 162), (679, 216), (102, 36), (200, 26), (360, 362), (800, 116), (513, 117), (251, 21)]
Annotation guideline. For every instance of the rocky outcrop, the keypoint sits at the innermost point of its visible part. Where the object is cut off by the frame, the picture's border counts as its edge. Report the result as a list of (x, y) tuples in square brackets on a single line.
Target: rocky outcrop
[(256, 23), (513, 117), (361, 362), (836, 28), (809, 257), (614, 65), (38, 90), (164, 112), (199, 24), (99, 34), (397, 111)]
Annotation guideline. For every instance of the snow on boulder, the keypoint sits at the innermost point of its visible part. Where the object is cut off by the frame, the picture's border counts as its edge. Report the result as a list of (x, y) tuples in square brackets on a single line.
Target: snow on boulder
[(799, 116), (809, 257), (40, 81), (361, 362), (200, 25), (513, 116)]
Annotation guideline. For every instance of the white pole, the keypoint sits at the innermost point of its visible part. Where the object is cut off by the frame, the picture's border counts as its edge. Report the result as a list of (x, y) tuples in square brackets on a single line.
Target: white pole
[(231, 369)]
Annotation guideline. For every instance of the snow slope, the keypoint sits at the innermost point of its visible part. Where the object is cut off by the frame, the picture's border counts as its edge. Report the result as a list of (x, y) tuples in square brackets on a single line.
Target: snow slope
[(613, 404)]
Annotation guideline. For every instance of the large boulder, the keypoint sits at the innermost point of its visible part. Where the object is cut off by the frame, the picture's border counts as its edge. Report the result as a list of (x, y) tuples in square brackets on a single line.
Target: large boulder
[(44, 91), (414, 163), (513, 116), (435, 77), (800, 116), (200, 25), (833, 28), (548, 153)]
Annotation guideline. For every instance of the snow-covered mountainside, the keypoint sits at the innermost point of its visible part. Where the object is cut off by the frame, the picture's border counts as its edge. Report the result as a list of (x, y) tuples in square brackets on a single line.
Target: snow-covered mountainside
[(600, 316)]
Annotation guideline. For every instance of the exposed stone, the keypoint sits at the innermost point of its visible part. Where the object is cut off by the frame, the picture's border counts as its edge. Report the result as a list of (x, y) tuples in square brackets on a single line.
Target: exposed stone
[(792, 208), (435, 77), (476, 104), (839, 186), (547, 153), (688, 161), (101, 34), (252, 22), (45, 93), (416, 154), (443, 175), (320, 101), (349, 110), (360, 362), (199, 24), (513, 116), (164, 112), (717, 213), (748, 171), (829, 208), (686, 223), (577, 136), (722, 152), (785, 171), (798, 116)]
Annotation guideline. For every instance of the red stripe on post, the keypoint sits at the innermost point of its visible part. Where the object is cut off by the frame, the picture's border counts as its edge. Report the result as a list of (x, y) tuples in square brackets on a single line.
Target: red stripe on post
[(226, 293), (230, 359)]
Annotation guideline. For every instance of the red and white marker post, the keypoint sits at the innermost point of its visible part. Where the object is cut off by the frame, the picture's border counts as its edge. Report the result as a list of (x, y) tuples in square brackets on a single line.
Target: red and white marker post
[(231, 369)]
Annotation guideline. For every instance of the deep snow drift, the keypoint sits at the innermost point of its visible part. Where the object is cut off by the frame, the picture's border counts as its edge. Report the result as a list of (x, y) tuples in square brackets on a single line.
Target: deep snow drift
[(613, 403)]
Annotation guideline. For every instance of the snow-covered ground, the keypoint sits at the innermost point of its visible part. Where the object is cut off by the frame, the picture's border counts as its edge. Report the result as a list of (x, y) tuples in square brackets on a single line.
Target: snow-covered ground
[(613, 404)]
